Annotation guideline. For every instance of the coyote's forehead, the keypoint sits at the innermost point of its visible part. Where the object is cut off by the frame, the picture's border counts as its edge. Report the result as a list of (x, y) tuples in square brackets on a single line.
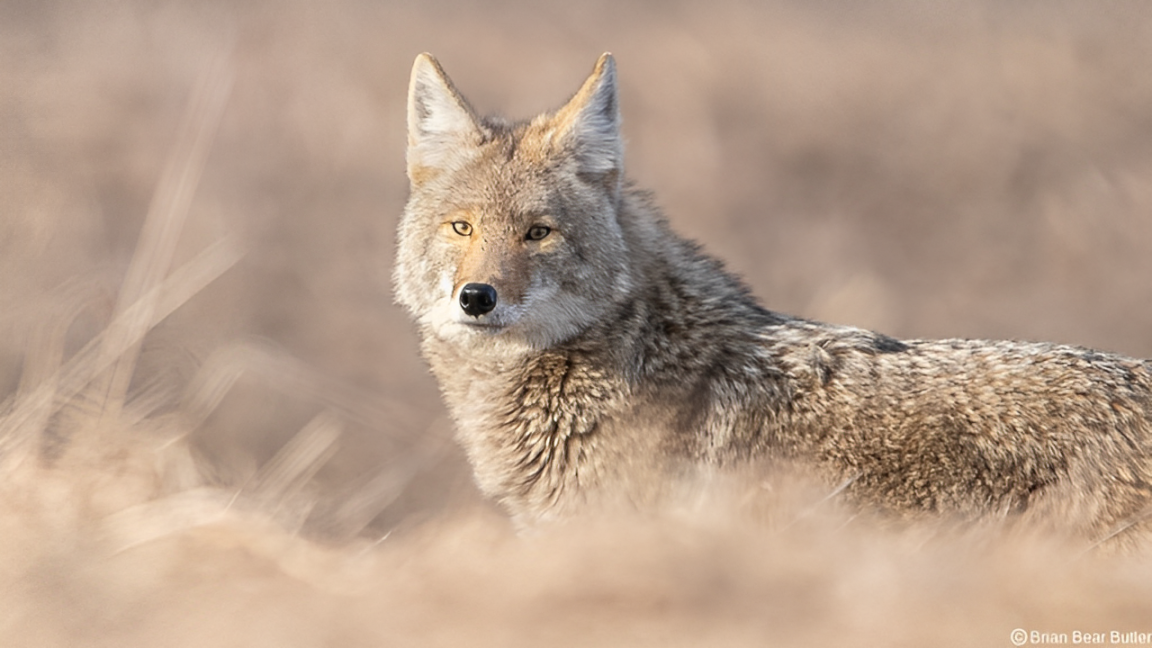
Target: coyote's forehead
[(514, 175)]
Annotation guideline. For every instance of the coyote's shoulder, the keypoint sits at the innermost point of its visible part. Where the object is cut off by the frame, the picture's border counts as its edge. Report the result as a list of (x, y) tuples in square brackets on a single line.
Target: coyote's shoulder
[(589, 355)]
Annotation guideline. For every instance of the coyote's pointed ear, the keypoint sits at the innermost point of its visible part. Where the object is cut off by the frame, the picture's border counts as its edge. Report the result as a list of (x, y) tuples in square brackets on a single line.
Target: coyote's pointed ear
[(590, 122), (440, 121)]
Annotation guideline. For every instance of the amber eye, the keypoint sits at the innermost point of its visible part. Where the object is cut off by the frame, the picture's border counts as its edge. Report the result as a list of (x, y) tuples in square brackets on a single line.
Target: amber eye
[(463, 228), (537, 232)]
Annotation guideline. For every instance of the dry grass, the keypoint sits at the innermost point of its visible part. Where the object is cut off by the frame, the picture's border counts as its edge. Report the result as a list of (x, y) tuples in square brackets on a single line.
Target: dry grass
[(216, 430)]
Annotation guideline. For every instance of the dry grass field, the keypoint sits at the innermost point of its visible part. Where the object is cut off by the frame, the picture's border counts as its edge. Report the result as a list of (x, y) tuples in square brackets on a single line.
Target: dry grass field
[(215, 429)]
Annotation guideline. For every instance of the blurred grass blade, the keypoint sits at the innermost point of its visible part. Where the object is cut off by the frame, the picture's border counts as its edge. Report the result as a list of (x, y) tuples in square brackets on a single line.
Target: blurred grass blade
[(358, 509), (164, 517), (165, 221), (125, 331), (291, 376), (299, 459), (44, 353)]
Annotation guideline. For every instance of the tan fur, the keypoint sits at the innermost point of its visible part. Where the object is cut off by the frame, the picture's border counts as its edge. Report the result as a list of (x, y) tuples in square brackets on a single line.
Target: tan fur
[(622, 365)]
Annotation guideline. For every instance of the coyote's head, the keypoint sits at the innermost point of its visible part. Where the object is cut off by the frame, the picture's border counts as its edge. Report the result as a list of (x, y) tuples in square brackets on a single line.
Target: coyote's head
[(511, 230)]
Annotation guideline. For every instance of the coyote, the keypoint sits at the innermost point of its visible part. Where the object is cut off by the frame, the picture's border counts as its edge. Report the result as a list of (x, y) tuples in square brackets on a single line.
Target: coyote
[(588, 354)]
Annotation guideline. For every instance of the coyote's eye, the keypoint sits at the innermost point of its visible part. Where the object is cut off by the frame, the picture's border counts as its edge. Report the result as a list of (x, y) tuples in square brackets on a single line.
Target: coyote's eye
[(537, 232), (463, 228)]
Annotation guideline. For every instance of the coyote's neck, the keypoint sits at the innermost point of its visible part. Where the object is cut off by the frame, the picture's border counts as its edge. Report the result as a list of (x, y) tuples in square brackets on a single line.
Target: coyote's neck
[(531, 425)]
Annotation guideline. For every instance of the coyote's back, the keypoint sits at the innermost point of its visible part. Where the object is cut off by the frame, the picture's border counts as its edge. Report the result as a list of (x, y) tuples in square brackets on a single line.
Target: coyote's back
[(590, 357)]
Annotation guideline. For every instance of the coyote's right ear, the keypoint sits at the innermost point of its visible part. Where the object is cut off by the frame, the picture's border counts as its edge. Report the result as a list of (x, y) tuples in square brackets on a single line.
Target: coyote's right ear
[(440, 121)]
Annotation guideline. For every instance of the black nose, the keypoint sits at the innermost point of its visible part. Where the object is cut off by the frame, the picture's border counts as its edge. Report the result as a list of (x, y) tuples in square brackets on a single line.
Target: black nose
[(477, 298)]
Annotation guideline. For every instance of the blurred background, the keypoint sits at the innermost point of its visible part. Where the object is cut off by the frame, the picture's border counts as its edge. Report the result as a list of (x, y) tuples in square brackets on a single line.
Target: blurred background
[(977, 169)]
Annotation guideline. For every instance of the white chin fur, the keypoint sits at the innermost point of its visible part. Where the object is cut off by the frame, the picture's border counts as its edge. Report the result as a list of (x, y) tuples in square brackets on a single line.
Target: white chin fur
[(449, 322)]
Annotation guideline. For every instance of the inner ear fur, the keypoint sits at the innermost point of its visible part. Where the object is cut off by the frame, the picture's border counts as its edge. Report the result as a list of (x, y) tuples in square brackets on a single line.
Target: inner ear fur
[(440, 120)]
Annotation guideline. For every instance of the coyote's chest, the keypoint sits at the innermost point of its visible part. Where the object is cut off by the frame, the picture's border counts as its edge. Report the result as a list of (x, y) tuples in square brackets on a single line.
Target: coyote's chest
[(534, 429)]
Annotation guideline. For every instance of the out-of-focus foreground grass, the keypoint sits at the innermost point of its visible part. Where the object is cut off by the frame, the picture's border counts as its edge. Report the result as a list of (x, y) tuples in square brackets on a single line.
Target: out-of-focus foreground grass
[(216, 429)]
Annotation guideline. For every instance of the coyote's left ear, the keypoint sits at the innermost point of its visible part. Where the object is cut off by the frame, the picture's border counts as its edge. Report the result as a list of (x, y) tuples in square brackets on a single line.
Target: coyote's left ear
[(590, 122), (440, 122)]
